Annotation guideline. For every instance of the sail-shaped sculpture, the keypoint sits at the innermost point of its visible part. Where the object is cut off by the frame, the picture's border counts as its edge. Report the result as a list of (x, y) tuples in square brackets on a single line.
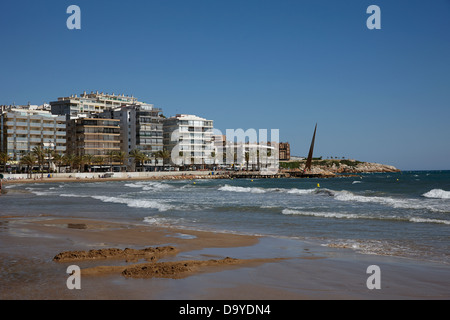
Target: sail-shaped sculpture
[(311, 150)]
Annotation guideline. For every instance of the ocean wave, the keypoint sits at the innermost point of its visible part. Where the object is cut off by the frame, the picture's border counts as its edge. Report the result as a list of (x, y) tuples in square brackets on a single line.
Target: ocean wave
[(40, 192), (426, 220), (162, 222), (300, 191), (149, 185), (392, 202), (373, 247), (399, 248), (133, 185), (136, 203), (72, 195), (437, 194), (360, 216), (345, 195), (322, 214), (242, 189), (265, 190)]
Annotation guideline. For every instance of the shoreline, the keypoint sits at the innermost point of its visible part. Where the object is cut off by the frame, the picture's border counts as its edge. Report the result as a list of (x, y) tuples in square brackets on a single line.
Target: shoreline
[(112, 179), (185, 175), (243, 267)]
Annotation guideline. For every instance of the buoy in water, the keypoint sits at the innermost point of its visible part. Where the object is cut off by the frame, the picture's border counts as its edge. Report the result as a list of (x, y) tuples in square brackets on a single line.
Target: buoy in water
[(318, 185)]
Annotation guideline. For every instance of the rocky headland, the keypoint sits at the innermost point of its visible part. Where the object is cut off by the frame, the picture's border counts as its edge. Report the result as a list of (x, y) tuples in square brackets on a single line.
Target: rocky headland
[(334, 167)]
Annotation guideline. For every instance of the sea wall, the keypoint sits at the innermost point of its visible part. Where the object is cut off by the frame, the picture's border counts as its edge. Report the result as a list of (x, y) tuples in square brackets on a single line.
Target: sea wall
[(118, 175)]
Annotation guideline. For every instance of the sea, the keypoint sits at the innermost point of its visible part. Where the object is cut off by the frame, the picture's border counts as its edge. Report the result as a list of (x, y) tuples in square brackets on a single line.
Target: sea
[(404, 214)]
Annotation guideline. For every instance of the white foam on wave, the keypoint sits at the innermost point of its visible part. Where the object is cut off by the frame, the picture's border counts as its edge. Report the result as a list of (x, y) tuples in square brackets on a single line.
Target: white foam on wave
[(164, 222), (371, 247), (357, 216), (426, 220), (242, 189), (265, 190), (135, 203), (395, 203), (437, 194), (149, 185), (300, 191), (40, 192), (350, 196), (322, 214), (133, 185), (72, 195)]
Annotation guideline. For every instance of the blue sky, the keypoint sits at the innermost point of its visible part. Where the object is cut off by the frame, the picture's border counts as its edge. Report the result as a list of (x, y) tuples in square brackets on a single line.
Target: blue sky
[(377, 95)]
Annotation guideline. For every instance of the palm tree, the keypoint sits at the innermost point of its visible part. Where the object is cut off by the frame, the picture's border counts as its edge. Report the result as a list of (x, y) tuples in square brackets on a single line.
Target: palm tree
[(111, 154), (247, 158), (269, 154), (121, 157), (144, 159), (155, 156), (4, 158), (138, 157), (164, 154), (58, 158), (99, 160), (29, 160), (257, 159), (88, 159), (49, 152), (80, 162), (181, 155), (69, 160), (231, 155), (39, 153)]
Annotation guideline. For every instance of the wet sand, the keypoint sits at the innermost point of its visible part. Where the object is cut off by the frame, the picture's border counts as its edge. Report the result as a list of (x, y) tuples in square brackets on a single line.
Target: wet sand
[(136, 261)]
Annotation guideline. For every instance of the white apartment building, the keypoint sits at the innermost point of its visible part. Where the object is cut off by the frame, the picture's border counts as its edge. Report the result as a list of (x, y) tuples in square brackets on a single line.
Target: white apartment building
[(141, 127), (23, 129), (87, 103), (243, 155), (189, 140)]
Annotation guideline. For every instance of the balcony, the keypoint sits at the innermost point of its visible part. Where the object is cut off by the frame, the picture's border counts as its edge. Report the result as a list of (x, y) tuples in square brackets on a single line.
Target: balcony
[(17, 124)]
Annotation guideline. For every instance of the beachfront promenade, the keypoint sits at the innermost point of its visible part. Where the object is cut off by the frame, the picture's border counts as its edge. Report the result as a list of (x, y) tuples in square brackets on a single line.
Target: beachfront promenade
[(158, 175), (110, 175)]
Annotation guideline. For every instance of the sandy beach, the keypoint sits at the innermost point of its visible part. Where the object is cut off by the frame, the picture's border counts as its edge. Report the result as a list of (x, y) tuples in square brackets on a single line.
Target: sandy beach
[(121, 259), (187, 264)]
